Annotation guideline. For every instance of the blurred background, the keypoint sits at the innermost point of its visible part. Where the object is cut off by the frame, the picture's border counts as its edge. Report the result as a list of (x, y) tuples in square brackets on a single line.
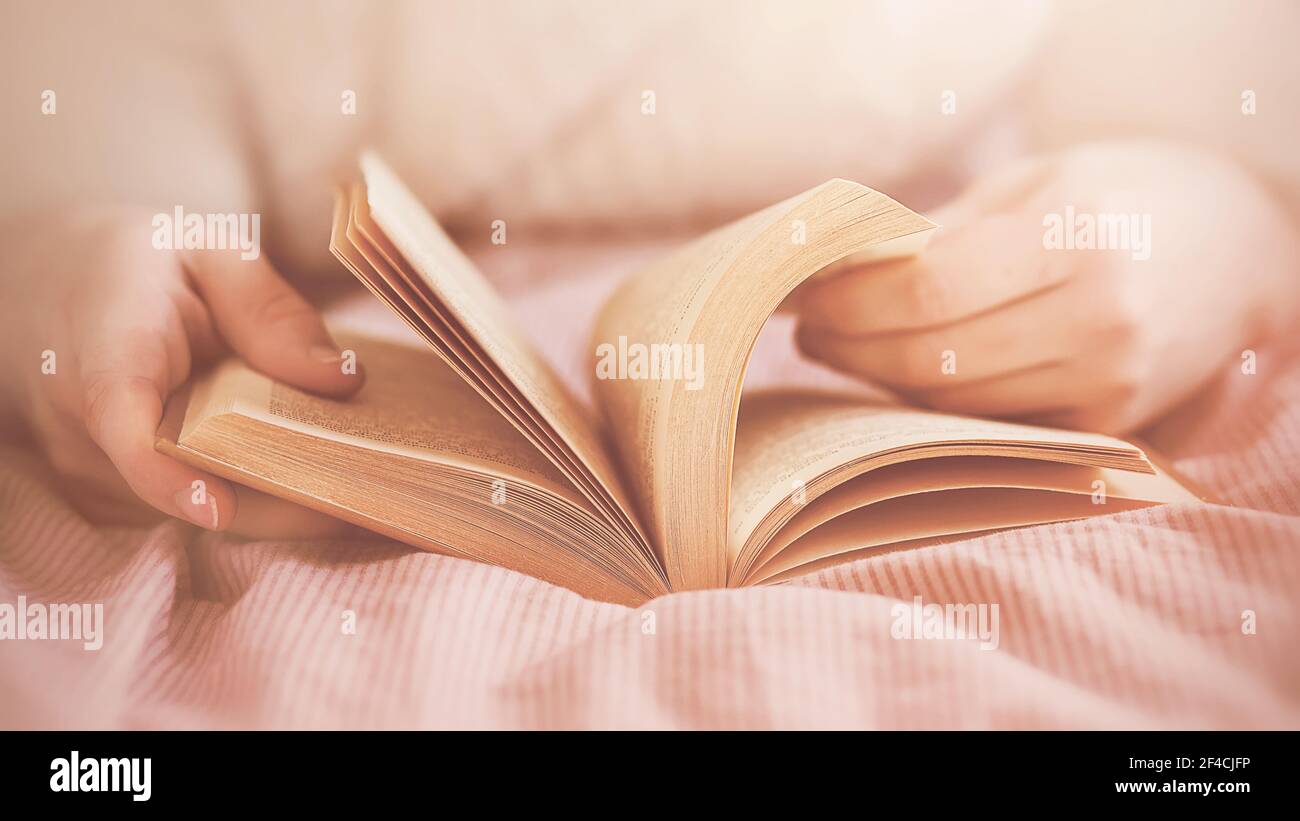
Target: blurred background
[(565, 117)]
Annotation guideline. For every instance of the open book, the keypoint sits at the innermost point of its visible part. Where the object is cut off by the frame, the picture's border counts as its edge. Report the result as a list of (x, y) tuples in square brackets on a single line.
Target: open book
[(478, 449)]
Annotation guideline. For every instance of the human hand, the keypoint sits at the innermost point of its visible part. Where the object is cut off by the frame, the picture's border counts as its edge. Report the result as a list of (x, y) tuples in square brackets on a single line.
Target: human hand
[(990, 321), (127, 324)]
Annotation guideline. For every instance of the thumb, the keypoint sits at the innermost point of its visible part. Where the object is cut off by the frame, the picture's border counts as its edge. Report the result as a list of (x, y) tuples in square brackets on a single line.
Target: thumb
[(270, 325), (122, 387)]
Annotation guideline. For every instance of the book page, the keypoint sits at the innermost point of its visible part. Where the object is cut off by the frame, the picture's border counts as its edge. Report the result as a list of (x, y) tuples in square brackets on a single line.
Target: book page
[(704, 307), (451, 283), (863, 552), (929, 515), (416, 455), (1102, 486), (803, 443), (412, 405)]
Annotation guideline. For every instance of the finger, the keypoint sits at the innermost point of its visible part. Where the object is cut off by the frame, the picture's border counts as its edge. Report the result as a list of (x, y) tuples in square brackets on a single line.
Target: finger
[(262, 516), (965, 272), (93, 485), (1034, 332), (101, 506), (269, 324), (205, 343), (122, 385), (1112, 412), (1043, 389)]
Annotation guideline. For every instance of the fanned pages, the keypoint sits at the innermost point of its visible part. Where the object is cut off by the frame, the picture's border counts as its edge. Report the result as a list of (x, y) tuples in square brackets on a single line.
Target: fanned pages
[(446, 279), (417, 455), (710, 300), (475, 448)]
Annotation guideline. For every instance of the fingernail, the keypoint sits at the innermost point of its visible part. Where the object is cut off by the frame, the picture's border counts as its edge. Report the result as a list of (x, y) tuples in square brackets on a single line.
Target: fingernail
[(202, 512), (326, 355)]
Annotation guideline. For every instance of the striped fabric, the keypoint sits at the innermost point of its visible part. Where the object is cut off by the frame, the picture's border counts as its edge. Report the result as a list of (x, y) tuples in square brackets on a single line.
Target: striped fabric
[(1133, 620)]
